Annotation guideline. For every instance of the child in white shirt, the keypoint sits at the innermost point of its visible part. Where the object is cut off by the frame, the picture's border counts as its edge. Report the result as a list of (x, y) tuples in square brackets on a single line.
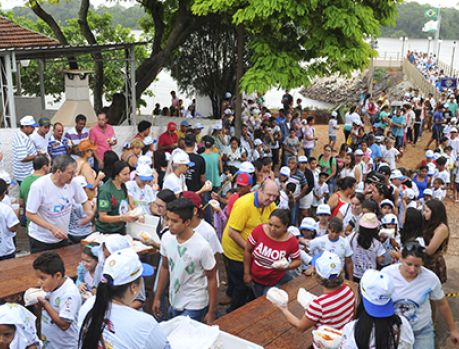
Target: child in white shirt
[(321, 190), (332, 127), (438, 192), (9, 224)]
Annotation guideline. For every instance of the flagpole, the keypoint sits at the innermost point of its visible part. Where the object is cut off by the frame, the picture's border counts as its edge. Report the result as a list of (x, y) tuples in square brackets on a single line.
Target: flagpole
[(437, 33)]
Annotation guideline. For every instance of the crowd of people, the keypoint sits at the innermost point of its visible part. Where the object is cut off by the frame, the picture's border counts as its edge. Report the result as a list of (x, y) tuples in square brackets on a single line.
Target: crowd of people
[(274, 203)]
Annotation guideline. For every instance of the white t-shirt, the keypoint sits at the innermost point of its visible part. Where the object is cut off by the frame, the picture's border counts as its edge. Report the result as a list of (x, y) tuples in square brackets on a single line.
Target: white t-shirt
[(175, 183), (40, 143), (187, 265), (128, 328), (364, 259), (340, 247), (53, 204), (390, 156), (406, 339), (332, 127), (24, 320), (142, 197), (309, 132), (208, 232), (66, 300), (8, 219), (320, 190), (443, 175), (411, 298)]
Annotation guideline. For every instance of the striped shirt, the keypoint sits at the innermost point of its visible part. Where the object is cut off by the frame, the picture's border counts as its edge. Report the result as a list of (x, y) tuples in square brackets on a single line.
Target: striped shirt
[(74, 137), (22, 147), (56, 147), (334, 309)]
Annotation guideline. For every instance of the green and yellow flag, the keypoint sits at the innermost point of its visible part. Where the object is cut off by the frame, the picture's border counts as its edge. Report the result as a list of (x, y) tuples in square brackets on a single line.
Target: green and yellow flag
[(431, 13)]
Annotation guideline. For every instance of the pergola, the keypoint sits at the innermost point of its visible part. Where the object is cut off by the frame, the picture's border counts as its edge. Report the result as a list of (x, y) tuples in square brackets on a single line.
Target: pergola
[(21, 44)]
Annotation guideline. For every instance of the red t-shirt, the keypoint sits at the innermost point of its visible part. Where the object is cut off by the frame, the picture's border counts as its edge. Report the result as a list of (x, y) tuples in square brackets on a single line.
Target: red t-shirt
[(231, 200), (266, 252), (166, 140)]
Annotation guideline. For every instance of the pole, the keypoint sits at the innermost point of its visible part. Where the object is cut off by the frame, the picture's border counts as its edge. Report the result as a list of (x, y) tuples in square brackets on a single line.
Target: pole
[(240, 34), (437, 33), (428, 46), (41, 65), (133, 93), (438, 52), (452, 59)]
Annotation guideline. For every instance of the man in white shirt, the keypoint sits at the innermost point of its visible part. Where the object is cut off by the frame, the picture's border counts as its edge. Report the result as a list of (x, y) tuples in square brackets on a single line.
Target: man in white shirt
[(24, 150), (49, 205), (40, 137)]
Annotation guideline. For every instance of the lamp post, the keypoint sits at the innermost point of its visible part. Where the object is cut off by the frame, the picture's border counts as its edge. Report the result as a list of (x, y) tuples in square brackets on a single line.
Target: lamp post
[(428, 45), (438, 51), (374, 46), (403, 39), (452, 59)]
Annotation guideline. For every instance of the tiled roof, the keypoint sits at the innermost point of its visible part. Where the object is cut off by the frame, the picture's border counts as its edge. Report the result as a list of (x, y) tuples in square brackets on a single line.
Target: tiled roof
[(13, 36)]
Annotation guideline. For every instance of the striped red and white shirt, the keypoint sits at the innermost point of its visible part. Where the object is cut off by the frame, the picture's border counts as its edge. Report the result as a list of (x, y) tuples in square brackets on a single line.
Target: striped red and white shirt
[(334, 309)]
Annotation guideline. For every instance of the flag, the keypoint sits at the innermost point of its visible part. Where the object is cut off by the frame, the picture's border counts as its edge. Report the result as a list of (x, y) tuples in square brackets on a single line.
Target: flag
[(430, 26), (431, 13)]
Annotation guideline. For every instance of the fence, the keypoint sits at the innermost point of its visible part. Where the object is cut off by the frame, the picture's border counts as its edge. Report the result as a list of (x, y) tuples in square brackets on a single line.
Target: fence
[(418, 80)]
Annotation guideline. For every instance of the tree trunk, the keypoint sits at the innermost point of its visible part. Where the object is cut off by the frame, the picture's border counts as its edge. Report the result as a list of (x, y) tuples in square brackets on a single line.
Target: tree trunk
[(216, 105), (98, 58), (240, 42)]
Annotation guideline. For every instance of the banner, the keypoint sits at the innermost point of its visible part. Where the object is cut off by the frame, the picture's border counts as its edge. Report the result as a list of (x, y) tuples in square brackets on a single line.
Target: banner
[(430, 26), (448, 84)]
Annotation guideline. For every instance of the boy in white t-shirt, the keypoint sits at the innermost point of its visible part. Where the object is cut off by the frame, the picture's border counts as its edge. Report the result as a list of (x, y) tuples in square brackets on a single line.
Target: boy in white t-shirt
[(59, 319), (189, 265), (332, 127), (390, 154), (8, 226), (321, 191)]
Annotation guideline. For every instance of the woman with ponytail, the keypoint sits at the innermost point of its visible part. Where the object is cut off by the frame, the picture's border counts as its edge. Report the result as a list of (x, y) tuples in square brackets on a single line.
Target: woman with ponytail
[(107, 321)]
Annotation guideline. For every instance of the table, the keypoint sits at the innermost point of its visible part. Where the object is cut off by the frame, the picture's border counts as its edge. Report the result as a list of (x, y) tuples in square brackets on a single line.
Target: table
[(262, 323), (17, 274)]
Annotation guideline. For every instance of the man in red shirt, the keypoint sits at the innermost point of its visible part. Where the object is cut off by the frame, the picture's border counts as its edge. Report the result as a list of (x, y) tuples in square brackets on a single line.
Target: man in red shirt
[(244, 185), (168, 140)]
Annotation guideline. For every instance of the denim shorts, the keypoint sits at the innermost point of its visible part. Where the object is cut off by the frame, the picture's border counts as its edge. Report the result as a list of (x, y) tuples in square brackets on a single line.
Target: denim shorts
[(424, 338), (197, 315)]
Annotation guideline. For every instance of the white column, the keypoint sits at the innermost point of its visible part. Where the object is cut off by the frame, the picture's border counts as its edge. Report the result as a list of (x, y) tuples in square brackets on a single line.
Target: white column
[(10, 110)]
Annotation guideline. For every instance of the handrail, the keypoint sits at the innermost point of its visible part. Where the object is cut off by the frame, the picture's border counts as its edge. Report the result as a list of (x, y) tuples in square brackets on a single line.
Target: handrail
[(418, 79)]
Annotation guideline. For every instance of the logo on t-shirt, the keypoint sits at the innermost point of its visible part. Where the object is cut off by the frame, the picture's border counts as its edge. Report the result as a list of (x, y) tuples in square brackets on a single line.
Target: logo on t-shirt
[(104, 204)]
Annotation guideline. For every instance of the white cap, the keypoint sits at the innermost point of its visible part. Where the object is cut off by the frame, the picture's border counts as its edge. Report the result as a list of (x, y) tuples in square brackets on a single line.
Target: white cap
[(144, 172), (257, 142), (181, 158), (148, 140), (387, 202), (358, 152), (28, 120), (144, 160), (328, 265), (23, 320), (396, 174), (308, 223), (376, 289), (198, 126), (6, 177), (284, 171), (323, 209), (334, 114), (389, 218), (228, 111), (453, 129), (124, 267), (428, 191), (246, 167), (294, 231), (409, 193), (302, 159), (379, 139), (218, 126), (116, 242), (429, 154), (436, 156)]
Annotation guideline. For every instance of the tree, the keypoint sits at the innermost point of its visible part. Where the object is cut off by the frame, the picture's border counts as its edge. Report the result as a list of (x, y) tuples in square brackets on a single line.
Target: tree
[(206, 62), (290, 42)]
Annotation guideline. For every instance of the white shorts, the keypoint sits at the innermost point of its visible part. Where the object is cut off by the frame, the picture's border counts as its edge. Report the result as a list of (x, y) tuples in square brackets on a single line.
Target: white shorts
[(306, 201)]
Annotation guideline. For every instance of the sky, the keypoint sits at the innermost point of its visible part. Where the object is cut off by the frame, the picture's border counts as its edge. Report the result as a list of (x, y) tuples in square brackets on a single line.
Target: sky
[(7, 4)]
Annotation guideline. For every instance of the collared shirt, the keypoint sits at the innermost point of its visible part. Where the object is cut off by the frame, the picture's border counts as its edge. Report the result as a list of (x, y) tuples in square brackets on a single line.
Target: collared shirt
[(40, 142), (23, 147), (74, 137), (100, 138), (57, 147)]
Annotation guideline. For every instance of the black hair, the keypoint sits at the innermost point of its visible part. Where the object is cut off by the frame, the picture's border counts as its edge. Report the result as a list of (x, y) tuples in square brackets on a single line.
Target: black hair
[(143, 125), (208, 141), (184, 208), (309, 119), (359, 196), (441, 161), (437, 217), (291, 187), (3, 187), (235, 139), (190, 140), (80, 117), (365, 236), (110, 157), (415, 249), (385, 331), (336, 224), (258, 164), (267, 160), (423, 167), (345, 183), (103, 110), (166, 195), (94, 322), (312, 158), (412, 228), (39, 161), (282, 214), (371, 206), (117, 168), (49, 263), (88, 251)]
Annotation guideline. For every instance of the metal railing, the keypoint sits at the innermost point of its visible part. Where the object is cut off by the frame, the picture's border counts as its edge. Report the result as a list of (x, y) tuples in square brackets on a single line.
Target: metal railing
[(418, 80)]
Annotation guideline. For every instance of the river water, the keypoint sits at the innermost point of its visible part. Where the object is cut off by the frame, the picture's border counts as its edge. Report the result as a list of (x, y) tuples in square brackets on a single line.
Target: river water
[(386, 47)]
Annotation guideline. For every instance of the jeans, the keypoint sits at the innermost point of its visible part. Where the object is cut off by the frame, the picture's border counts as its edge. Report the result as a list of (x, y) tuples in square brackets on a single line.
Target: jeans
[(424, 338), (417, 132), (398, 141), (240, 293), (197, 315), (294, 213), (261, 290), (8, 256), (308, 152), (39, 246)]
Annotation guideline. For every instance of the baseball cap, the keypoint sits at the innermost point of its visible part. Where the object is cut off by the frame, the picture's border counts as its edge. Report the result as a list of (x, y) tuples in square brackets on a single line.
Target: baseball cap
[(328, 265), (389, 218), (144, 160), (323, 209), (243, 179), (218, 126), (308, 223), (148, 140), (429, 154), (386, 202), (85, 145), (396, 174), (81, 180), (198, 126), (195, 198), (375, 177), (302, 159), (171, 126), (334, 114), (181, 158), (453, 129), (385, 170), (410, 193), (294, 231), (284, 171), (124, 267), (358, 152), (185, 123), (427, 192), (376, 289), (246, 167), (369, 221), (379, 139), (28, 120), (144, 172), (116, 242), (6, 177), (257, 142), (44, 121), (228, 111)]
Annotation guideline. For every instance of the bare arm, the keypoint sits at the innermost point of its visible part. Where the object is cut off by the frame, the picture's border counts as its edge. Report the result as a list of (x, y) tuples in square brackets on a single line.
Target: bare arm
[(58, 321), (248, 262), (302, 324), (211, 276), (440, 235), (349, 267), (162, 282), (445, 311)]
